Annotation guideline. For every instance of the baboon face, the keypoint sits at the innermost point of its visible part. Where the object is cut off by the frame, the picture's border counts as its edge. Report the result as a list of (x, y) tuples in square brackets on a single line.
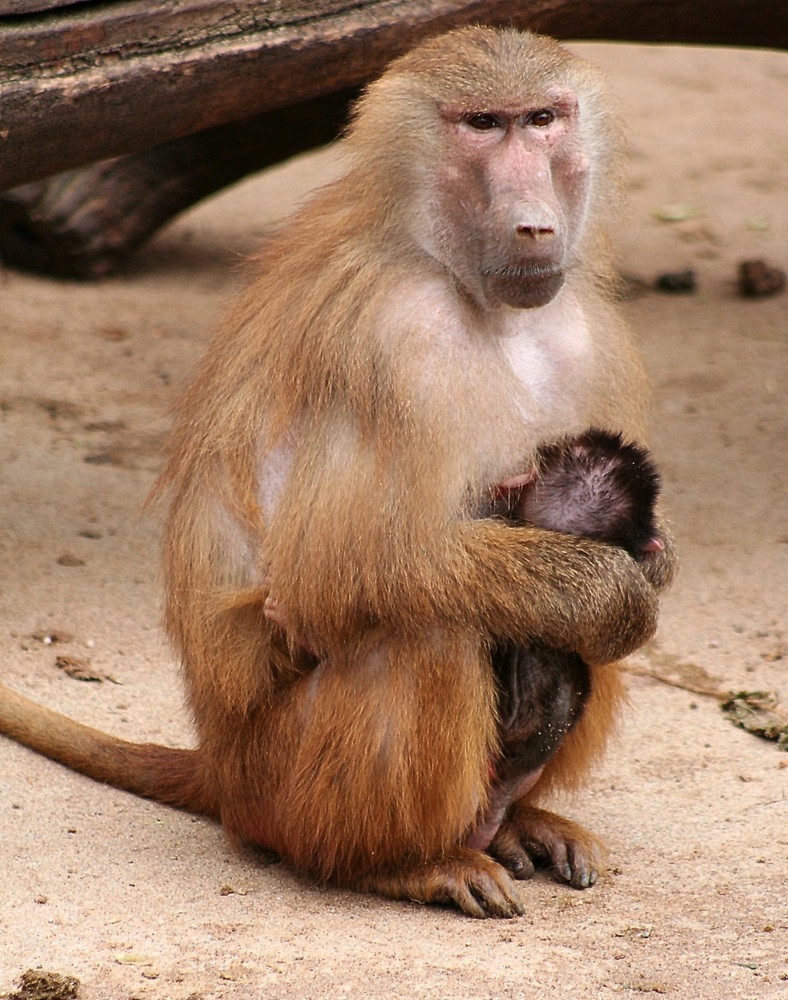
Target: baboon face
[(512, 198)]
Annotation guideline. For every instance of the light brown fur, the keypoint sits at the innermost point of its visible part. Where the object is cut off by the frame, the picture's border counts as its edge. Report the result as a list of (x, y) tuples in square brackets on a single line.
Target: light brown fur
[(337, 445)]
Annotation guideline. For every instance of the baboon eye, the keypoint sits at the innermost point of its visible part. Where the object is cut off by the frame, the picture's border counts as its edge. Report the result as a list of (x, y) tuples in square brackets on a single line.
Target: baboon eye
[(542, 118), (482, 121)]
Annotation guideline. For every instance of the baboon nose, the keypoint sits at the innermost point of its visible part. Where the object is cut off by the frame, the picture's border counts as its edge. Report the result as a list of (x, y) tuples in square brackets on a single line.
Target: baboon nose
[(534, 232), (534, 221)]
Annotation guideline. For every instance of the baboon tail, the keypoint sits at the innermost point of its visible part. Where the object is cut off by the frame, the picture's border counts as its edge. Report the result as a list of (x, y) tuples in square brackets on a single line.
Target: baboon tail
[(171, 776)]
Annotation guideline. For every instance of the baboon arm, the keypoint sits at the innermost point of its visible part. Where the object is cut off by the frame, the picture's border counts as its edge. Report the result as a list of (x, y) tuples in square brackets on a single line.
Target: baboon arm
[(519, 583), (570, 593), (413, 566)]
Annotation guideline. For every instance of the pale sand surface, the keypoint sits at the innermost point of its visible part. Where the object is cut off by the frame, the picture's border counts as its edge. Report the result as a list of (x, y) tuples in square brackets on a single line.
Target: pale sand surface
[(132, 898)]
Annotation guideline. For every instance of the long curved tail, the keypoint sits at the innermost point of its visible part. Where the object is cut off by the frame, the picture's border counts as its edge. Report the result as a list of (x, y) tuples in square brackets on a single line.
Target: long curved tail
[(167, 775)]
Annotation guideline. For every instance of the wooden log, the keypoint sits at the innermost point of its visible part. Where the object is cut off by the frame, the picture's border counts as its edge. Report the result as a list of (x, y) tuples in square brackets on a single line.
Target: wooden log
[(85, 81), (83, 223), (90, 79)]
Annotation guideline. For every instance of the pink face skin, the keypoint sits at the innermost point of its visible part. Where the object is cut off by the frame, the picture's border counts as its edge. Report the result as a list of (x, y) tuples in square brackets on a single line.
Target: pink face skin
[(516, 179)]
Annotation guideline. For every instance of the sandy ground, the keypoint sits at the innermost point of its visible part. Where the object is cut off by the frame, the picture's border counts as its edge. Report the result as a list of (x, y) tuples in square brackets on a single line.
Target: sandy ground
[(140, 901)]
